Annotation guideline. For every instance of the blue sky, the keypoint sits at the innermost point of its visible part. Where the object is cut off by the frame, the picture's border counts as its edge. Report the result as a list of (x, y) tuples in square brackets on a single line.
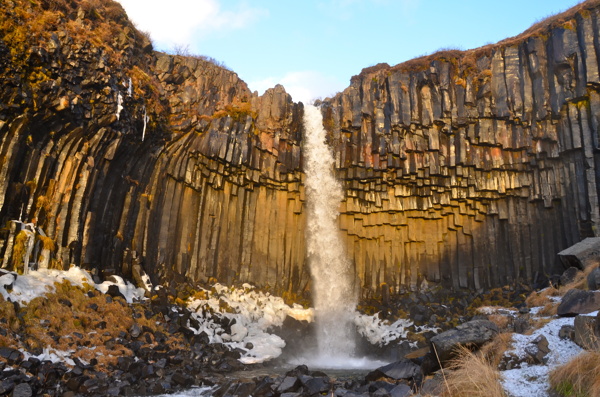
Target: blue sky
[(313, 47)]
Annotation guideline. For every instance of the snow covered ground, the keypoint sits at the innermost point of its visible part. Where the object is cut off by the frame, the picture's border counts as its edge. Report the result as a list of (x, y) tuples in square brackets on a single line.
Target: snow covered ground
[(532, 380), (255, 313)]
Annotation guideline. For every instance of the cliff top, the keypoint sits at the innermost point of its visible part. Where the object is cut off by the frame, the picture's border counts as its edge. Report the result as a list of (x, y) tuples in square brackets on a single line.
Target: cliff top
[(468, 58)]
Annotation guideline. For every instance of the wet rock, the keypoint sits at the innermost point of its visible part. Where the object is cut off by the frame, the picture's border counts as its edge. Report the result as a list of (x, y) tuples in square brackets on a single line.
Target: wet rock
[(433, 386), (182, 379), (472, 334), (299, 370), (315, 385), (401, 390), (577, 301), (264, 387), (6, 385), (289, 384)]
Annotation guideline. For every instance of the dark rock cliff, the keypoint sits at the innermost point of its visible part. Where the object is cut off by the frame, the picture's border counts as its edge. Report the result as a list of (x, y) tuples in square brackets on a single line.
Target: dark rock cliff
[(472, 169)]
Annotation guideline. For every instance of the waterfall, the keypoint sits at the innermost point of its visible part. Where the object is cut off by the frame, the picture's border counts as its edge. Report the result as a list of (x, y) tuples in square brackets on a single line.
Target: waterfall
[(333, 285)]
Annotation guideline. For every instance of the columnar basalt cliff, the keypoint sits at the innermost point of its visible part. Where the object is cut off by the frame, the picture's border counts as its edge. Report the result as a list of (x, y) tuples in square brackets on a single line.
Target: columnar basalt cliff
[(472, 168), (128, 159)]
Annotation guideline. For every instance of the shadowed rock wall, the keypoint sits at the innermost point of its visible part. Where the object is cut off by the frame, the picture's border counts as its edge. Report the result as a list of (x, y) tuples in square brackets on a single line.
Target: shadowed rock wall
[(472, 169)]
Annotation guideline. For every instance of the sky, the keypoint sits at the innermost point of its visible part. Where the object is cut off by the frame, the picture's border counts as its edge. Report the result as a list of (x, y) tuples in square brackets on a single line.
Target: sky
[(314, 47)]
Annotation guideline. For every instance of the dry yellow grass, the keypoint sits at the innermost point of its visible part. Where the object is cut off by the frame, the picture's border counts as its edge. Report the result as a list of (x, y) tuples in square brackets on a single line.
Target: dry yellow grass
[(501, 321), (541, 298), (544, 297), (578, 377), (472, 374), (71, 320), (494, 350)]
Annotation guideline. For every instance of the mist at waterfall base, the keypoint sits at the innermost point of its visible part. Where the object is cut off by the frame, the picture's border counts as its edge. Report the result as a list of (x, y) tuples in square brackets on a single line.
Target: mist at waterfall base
[(333, 283)]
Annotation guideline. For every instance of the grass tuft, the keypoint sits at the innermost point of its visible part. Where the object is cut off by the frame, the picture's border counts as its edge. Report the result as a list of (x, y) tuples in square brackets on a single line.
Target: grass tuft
[(578, 377), (472, 374)]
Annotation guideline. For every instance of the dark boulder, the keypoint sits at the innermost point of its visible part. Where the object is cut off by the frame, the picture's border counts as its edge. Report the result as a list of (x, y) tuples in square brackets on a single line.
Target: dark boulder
[(113, 291), (403, 369), (22, 390), (586, 332), (472, 334), (289, 384), (569, 275), (538, 350), (578, 301), (12, 356), (593, 279), (583, 254), (401, 390), (315, 385)]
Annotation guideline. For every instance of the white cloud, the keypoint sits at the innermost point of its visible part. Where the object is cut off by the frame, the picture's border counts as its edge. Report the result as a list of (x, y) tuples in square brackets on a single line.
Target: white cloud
[(176, 22), (304, 86)]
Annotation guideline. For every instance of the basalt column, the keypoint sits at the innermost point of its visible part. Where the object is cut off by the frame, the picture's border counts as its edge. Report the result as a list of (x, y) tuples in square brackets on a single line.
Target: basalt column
[(472, 168)]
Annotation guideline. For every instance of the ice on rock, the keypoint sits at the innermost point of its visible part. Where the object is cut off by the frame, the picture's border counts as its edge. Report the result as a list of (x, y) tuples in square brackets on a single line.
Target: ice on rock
[(119, 105)]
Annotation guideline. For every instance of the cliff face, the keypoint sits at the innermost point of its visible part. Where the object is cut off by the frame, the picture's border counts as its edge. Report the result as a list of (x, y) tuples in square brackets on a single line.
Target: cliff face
[(127, 159), (468, 168), (473, 168)]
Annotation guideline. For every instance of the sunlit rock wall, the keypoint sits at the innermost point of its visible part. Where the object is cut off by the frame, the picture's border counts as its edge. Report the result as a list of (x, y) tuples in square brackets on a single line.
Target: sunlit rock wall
[(472, 169), (129, 159)]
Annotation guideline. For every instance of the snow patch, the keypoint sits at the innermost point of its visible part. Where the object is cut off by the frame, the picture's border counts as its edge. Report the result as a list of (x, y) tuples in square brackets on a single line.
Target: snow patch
[(381, 332), (254, 313), (40, 282), (533, 380)]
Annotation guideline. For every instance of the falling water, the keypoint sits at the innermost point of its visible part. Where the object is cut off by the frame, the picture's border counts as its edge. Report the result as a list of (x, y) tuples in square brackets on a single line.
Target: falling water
[(334, 291)]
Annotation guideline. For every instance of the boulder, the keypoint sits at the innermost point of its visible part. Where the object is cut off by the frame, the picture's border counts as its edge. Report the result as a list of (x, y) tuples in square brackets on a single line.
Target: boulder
[(471, 334), (401, 390), (289, 384), (22, 390), (578, 301), (567, 332), (12, 356), (593, 279), (569, 275), (521, 324), (538, 350), (586, 332), (403, 369), (315, 385), (583, 254)]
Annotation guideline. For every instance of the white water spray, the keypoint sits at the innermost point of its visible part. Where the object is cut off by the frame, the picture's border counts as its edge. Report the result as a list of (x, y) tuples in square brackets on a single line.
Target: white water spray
[(334, 291)]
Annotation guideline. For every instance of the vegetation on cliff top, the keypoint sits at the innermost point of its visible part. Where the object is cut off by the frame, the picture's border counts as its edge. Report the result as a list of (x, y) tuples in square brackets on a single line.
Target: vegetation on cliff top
[(466, 61), (43, 38)]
